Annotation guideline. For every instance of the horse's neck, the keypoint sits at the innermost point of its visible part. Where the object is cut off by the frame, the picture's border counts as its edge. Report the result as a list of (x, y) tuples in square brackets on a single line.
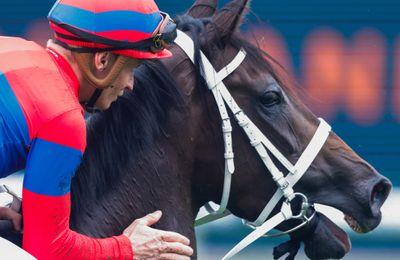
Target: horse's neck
[(159, 180), (202, 137)]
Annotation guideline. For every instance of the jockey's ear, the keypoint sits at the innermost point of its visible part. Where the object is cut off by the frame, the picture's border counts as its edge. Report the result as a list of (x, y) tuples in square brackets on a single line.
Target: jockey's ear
[(203, 8), (228, 19), (103, 60)]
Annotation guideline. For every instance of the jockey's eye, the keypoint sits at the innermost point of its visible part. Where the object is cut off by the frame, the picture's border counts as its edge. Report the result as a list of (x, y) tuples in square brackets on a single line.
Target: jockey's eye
[(271, 98)]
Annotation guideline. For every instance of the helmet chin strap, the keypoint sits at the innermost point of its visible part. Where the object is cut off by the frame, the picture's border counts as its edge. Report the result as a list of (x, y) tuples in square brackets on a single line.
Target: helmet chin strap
[(84, 61), (90, 105)]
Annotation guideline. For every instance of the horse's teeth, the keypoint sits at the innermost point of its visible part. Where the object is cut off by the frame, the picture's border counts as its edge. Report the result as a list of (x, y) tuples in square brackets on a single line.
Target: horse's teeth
[(353, 224)]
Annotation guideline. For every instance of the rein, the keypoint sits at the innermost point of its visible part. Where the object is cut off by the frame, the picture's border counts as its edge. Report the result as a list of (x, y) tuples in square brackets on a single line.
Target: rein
[(262, 145)]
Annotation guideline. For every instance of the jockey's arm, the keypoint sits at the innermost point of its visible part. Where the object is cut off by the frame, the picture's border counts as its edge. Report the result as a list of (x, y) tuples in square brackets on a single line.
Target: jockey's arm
[(53, 158)]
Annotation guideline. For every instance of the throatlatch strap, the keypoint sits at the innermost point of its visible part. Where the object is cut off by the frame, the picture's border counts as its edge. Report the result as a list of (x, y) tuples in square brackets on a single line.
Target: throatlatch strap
[(214, 79), (89, 106)]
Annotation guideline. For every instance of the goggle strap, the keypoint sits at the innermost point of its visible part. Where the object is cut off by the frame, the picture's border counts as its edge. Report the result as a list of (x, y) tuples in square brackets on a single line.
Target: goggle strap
[(155, 44)]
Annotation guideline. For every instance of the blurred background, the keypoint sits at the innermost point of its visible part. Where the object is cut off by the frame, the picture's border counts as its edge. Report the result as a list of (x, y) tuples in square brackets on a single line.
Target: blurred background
[(344, 54)]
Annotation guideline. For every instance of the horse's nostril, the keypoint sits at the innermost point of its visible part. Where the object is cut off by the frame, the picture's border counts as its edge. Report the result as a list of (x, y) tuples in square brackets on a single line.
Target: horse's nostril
[(380, 192)]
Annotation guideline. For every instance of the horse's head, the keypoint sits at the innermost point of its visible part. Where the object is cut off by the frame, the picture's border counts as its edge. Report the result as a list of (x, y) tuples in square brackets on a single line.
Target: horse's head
[(337, 177)]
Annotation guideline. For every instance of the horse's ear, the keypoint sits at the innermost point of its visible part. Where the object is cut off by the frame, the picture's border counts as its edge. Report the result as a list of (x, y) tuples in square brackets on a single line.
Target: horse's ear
[(203, 8), (228, 19)]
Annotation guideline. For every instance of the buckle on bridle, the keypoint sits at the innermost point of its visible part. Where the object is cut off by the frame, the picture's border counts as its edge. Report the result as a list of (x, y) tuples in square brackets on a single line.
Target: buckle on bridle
[(286, 209), (305, 205)]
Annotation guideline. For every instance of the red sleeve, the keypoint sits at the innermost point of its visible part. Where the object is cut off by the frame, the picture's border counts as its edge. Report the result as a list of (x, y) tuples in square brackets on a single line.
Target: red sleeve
[(54, 156)]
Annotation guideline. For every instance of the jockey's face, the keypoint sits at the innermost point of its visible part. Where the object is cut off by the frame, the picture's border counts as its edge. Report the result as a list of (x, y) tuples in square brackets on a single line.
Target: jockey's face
[(124, 82)]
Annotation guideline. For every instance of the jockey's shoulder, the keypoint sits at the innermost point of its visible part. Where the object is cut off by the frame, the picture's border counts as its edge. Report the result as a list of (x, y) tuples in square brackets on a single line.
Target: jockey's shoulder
[(20, 54), (17, 43), (42, 88)]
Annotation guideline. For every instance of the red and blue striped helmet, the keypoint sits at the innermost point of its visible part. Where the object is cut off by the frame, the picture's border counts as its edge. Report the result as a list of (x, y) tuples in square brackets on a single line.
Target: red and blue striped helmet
[(133, 28)]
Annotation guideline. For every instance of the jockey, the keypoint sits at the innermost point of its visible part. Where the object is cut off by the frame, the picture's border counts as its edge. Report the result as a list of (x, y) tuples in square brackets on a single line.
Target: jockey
[(43, 94)]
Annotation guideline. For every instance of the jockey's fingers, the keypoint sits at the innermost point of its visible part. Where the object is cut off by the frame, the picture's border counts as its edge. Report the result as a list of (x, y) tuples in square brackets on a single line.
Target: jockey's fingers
[(169, 236), (149, 219), (170, 256), (17, 223), (5, 213), (176, 248), (13, 216)]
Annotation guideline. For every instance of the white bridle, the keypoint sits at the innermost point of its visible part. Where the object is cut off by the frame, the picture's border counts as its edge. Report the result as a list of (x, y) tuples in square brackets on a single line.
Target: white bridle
[(261, 144)]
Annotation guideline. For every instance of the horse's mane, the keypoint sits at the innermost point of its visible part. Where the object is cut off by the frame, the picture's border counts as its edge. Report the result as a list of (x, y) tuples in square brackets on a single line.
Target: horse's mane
[(127, 129), (118, 137)]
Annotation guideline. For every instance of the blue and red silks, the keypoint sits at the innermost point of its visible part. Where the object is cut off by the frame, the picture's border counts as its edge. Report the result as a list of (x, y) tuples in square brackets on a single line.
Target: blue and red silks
[(42, 129), (117, 20)]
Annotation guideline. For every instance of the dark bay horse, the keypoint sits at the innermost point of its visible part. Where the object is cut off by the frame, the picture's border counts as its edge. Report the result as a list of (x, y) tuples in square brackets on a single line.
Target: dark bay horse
[(161, 146)]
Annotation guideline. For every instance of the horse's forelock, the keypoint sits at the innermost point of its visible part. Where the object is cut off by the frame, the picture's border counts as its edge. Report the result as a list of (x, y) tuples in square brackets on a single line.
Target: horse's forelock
[(257, 57)]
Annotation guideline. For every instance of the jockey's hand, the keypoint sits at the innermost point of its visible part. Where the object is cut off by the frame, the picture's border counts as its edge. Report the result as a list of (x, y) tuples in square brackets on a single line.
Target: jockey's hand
[(150, 243), (13, 216)]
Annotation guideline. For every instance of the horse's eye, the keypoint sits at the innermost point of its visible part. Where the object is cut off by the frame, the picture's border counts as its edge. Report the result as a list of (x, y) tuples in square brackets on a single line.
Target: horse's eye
[(270, 98)]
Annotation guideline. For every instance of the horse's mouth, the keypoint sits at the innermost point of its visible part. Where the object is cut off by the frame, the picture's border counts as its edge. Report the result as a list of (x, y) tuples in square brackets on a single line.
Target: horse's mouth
[(362, 224), (353, 224)]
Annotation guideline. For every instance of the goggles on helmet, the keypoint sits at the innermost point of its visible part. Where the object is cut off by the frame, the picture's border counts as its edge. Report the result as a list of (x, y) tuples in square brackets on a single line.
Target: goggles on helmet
[(164, 35)]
